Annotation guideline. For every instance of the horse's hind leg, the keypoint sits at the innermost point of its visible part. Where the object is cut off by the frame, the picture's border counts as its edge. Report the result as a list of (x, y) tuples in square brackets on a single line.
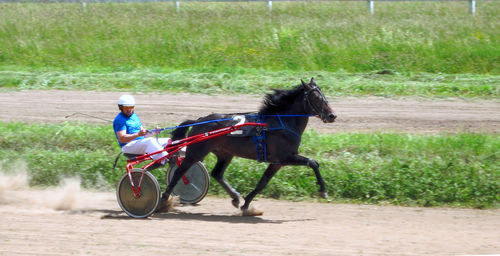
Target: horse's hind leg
[(266, 177), (218, 175), (186, 164)]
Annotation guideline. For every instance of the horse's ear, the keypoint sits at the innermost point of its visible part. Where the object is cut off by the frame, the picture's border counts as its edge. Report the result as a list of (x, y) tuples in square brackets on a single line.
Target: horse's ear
[(304, 84), (312, 81)]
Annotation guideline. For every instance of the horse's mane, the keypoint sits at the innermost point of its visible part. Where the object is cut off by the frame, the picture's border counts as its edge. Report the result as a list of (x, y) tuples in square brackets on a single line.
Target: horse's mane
[(280, 100)]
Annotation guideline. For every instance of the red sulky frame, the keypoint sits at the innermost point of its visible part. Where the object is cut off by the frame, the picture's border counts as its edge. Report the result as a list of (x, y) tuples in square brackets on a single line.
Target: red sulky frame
[(173, 148)]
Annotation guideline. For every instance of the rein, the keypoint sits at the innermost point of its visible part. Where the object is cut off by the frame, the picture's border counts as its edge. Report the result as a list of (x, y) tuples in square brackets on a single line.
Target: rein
[(228, 119), (259, 138), (189, 125)]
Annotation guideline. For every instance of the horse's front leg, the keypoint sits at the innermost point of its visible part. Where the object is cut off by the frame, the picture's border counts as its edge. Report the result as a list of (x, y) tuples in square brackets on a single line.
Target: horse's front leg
[(268, 174), (302, 160)]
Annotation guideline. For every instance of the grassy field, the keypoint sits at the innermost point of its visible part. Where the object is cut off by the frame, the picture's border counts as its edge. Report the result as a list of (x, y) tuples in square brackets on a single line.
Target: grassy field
[(251, 81), (434, 37), (424, 170)]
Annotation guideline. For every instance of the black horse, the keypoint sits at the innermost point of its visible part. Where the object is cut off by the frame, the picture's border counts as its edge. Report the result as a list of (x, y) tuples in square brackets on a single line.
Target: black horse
[(286, 113)]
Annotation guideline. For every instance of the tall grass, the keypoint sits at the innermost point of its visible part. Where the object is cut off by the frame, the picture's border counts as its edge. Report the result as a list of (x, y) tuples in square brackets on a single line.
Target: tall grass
[(426, 170), (330, 36)]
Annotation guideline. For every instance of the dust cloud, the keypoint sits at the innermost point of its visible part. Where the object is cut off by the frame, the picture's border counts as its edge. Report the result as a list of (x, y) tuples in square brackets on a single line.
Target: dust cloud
[(16, 192)]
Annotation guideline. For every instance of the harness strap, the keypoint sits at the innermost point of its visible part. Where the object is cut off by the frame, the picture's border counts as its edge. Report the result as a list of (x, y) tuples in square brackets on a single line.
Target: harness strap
[(308, 103), (260, 140), (260, 144), (283, 127)]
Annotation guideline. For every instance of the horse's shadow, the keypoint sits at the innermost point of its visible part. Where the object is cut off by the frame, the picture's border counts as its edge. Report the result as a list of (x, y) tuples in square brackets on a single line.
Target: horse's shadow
[(235, 219), (186, 216)]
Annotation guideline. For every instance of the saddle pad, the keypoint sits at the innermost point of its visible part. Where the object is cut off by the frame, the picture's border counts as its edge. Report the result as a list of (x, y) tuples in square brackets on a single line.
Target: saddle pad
[(246, 131)]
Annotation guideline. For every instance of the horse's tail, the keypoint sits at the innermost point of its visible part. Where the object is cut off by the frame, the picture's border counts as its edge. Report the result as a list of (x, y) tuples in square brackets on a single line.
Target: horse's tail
[(180, 133)]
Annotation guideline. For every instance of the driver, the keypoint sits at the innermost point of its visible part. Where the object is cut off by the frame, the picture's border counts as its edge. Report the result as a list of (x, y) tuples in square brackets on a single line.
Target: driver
[(131, 136)]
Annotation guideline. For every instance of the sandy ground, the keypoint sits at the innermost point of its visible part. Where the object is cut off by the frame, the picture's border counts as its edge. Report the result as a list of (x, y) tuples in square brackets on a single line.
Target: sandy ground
[(91, 223), (69, 221)]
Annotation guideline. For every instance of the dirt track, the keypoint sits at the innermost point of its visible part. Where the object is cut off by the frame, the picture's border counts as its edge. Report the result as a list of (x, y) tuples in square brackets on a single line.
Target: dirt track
[(95, 225), (355, 114), (92, 223)]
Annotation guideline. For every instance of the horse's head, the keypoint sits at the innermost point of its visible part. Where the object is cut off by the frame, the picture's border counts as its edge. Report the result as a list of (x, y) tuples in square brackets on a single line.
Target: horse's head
[(316, 103)]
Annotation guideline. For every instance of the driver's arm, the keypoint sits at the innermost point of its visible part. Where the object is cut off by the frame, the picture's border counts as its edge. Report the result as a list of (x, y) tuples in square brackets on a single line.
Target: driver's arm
[(123, 137)]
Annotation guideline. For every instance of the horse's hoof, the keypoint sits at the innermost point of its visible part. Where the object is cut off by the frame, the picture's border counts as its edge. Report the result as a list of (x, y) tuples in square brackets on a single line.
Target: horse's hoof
[(323, 195), (167, 204), (236, 202), (251, 212), (162, 206)]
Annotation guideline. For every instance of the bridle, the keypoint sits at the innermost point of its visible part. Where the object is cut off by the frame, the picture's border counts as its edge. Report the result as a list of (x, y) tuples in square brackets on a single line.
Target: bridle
[(318, 111)]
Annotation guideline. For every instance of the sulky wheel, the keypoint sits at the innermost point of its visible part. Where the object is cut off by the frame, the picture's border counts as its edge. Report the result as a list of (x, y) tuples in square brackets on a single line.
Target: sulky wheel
[(149, 196), (193, 186)]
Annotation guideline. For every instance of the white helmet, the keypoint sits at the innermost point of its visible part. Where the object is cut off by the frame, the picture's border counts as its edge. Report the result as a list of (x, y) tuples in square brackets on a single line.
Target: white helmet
[(126, 100)]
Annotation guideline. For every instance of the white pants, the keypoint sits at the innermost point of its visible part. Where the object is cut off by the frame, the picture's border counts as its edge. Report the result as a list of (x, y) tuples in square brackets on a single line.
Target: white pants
[(146, 146)]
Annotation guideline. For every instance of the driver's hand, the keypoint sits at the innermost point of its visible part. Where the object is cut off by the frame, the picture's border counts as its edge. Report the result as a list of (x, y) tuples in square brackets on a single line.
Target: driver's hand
[(142, 132)]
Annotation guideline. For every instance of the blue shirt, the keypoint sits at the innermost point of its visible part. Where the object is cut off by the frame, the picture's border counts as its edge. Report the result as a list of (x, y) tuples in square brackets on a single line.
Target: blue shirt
[(131, 124)]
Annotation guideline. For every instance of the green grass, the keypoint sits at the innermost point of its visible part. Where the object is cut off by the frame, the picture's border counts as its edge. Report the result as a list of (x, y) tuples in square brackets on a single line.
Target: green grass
[(425, 170), (251, 81), (429, 37)]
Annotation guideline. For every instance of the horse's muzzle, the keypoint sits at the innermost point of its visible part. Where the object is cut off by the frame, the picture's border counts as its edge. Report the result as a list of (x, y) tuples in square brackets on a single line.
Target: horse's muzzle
[(330, 118)]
